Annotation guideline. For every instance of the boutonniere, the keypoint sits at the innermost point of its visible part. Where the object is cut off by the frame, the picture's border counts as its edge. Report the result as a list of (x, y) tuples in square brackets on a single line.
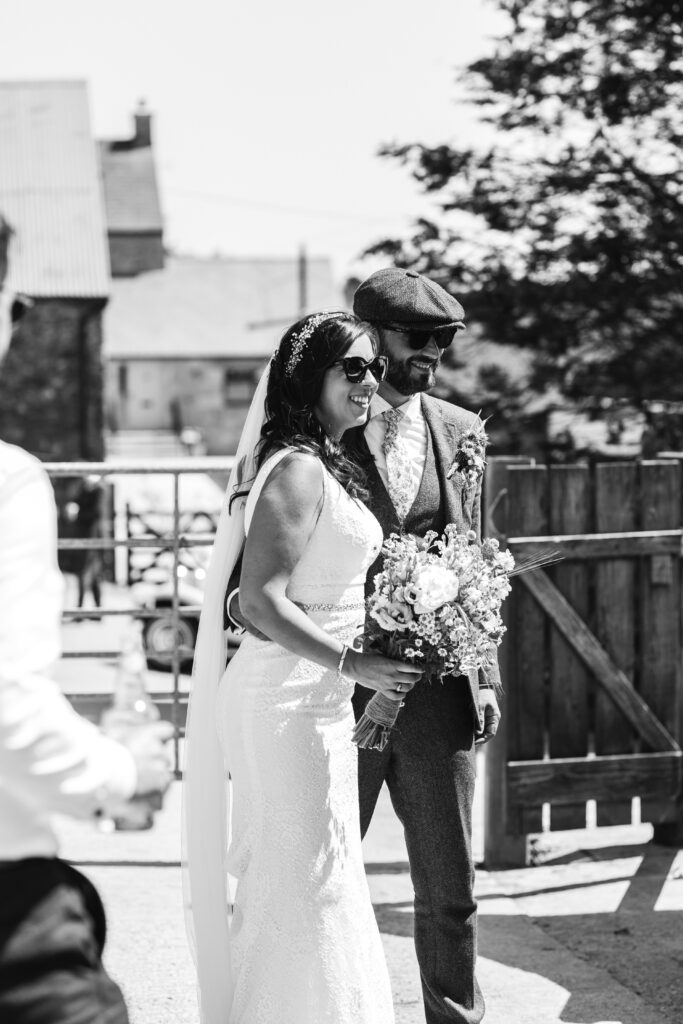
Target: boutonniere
[(470, 455)]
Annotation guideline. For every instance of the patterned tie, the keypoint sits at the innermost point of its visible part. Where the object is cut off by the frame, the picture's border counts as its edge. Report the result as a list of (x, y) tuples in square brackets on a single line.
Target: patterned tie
[(398, 464)]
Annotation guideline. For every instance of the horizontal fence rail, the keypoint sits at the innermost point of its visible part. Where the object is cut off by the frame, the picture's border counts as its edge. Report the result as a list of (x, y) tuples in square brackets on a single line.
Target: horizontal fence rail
[(171, 702), (631, 544)]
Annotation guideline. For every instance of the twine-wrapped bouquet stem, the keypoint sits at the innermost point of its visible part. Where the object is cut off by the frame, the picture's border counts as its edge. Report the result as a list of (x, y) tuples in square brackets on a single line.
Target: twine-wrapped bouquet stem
[(381, 713)]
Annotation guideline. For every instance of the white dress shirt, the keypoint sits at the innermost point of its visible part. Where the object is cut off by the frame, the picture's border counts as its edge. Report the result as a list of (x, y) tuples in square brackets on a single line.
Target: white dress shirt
[(411, 427), (51, 759)]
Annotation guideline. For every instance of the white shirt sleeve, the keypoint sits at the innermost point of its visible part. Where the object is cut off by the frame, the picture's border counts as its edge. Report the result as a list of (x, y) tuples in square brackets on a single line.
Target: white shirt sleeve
[(50, 757)]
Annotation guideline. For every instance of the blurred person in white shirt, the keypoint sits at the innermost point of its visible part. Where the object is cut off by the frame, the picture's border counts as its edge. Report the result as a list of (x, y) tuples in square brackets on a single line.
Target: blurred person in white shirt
[(52, 923)]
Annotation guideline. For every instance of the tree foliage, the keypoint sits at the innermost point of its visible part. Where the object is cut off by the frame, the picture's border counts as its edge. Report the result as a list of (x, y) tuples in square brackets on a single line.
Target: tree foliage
[(566, 233)]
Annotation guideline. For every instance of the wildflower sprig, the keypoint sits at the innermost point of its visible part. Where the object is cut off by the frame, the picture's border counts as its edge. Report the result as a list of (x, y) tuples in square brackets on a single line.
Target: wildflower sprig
[(470, 455)]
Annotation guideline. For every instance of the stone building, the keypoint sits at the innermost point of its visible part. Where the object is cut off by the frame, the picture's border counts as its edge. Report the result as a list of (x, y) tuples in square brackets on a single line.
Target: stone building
[(184, 346), (50, 192)]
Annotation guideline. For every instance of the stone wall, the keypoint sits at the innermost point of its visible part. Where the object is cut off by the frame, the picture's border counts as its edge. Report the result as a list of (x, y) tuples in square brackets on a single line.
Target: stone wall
[(51, 387)]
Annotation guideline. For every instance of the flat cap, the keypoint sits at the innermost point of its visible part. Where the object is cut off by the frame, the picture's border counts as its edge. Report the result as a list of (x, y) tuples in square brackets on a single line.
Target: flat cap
[(405, 297)]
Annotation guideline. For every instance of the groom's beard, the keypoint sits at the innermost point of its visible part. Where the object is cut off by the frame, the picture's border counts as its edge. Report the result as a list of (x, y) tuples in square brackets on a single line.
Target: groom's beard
[(407, 378)]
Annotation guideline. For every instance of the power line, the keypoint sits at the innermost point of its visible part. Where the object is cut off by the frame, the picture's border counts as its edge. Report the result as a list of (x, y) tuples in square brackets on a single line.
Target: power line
[(214, 197)]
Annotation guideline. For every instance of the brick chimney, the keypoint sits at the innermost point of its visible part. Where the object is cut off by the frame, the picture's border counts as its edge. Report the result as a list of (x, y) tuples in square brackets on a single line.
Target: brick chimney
[(143, 127)]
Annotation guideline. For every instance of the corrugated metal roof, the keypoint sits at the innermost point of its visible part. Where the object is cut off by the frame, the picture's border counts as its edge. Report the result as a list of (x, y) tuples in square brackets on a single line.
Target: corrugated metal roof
[(50, 191), (131, 195), (203, 308)]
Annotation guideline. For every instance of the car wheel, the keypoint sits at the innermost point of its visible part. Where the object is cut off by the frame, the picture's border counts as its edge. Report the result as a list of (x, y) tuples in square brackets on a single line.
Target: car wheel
[(162, 637)]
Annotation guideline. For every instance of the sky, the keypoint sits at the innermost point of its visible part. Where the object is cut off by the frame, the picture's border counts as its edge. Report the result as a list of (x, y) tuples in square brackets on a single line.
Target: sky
[(267, 116)]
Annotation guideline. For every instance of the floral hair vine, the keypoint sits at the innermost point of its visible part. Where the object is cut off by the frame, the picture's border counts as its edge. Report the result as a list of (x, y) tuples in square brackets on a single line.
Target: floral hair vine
[(299, 340)]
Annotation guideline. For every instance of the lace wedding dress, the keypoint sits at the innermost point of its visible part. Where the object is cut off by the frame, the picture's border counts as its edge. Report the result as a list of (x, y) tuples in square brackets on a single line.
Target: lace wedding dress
[(305, 947)]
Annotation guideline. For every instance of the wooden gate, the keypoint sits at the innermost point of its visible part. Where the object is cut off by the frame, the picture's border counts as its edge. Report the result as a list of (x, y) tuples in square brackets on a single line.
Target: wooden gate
[(591, 661)]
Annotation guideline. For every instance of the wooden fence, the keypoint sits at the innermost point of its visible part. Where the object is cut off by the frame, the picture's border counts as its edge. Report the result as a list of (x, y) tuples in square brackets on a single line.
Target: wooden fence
[(592, 658)]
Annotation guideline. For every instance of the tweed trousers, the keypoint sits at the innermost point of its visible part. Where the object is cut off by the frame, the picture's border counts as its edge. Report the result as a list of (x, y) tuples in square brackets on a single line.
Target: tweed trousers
[(429, 767)]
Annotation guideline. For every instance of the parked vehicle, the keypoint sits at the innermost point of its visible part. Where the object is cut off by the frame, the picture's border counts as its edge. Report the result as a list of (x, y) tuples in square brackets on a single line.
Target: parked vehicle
[(162, 635), (147, 506)]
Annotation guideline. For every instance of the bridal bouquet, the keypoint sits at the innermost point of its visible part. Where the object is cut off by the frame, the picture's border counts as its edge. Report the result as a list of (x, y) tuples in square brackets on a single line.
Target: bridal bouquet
[(437, 603)]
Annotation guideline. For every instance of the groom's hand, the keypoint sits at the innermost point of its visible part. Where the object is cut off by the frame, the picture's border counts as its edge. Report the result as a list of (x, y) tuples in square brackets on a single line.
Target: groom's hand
[(489, 713), (236, 615), (239, 619)]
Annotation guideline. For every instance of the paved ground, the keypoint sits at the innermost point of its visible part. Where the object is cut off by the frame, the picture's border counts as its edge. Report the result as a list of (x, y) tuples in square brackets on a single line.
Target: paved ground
[(593, 934)]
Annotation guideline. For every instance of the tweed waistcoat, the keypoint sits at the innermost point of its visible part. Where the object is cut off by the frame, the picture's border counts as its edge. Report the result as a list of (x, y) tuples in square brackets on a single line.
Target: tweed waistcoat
[(428, 511)]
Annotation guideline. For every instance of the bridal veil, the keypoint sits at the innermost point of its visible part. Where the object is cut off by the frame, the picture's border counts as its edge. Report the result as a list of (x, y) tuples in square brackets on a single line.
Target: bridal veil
[(206, 792)]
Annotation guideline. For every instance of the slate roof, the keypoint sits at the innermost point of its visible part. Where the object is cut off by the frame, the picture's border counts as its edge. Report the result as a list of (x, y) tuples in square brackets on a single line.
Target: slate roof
[(50, 191), (211, 308)]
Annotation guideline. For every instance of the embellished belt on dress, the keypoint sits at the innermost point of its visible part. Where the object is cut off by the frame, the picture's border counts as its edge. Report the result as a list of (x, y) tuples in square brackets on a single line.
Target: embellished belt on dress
[(328, 606)]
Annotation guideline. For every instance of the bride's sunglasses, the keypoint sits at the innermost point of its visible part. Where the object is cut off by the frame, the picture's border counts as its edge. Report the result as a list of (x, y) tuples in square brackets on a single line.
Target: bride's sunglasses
[(417, 337), (355, 368)]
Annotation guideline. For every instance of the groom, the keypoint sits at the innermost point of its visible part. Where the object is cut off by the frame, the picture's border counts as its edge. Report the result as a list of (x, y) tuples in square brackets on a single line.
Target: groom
[(418, 481)]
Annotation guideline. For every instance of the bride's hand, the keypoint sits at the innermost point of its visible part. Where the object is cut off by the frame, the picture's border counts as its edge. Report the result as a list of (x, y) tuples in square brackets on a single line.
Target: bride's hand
[(392, 678)]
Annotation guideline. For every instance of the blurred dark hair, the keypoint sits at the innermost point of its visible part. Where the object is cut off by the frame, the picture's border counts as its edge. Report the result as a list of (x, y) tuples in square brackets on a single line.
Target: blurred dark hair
[(296, 378)]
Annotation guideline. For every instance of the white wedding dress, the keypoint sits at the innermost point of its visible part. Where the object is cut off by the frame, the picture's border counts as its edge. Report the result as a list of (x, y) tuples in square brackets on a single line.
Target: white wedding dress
[(304, 944)]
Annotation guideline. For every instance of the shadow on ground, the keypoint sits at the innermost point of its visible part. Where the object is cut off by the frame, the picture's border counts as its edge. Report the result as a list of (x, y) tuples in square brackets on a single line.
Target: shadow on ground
[(623, 964)]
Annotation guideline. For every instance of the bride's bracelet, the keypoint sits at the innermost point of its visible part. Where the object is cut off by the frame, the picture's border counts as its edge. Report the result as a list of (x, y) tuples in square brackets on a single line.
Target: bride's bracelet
[(342, 657)]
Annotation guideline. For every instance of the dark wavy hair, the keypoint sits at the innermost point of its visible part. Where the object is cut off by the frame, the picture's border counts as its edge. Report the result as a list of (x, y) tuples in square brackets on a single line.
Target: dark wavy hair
[(296, 378)]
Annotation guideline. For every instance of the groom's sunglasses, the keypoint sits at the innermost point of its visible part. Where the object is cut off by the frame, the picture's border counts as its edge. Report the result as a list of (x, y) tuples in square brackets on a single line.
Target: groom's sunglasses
[(355, 368), (418, 337)]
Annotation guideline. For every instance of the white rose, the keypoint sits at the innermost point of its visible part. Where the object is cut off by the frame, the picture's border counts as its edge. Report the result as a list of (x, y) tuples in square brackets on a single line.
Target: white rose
[(432, 587)]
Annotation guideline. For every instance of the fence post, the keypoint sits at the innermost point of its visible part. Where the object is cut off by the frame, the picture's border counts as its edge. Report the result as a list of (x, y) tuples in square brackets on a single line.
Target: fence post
[(500, 848), (129, 550), (670, 833)]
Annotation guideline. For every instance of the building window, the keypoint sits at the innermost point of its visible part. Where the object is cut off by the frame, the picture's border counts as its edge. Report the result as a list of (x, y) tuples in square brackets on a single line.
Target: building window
[(123, 380), (238, 386)]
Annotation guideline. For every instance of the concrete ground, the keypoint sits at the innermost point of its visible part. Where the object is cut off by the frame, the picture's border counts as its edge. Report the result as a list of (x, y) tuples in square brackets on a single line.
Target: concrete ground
[(592, 934)]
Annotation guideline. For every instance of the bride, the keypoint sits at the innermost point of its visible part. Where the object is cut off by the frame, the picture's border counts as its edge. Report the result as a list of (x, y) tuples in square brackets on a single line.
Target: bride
[(299, 944)]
